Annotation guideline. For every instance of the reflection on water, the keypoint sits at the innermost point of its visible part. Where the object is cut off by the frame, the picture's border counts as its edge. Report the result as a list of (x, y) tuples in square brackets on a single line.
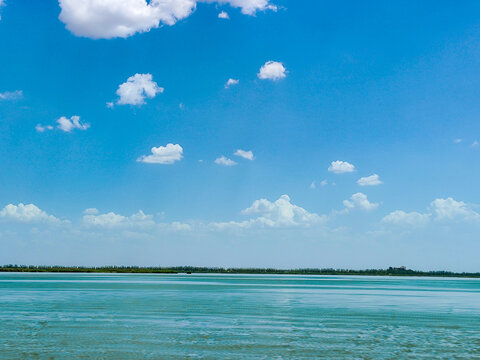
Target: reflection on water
[(136, 316)]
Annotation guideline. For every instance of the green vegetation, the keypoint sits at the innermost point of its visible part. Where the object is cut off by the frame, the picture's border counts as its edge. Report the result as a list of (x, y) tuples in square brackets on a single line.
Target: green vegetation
[(391, 271)]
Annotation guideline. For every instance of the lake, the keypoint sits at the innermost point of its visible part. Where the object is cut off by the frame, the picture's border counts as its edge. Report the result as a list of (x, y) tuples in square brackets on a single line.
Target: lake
[(168, 316)]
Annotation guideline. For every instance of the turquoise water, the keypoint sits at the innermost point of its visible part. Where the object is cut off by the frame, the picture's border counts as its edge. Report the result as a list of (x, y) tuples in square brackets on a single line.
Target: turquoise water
[(110, 316)]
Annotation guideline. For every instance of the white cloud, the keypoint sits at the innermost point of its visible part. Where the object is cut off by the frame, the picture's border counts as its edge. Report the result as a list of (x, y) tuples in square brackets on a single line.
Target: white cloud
[(136, 89), (91, 211), (68, 125), (399, 217), (323, 183), (1, 4), (441, 210), (106, 19), (245, 154), (222, 160), (457, 141), (223, 15), (313, 186), (231, 82), (340, 167), (11, 95), (360, 201), (280, 213), (163, 155), (371, 180), (272, 70), (41, 128), (475, 144), (110, 104), (112, 220), (136, 224), (450, 209), (248, 7), (26, 213)]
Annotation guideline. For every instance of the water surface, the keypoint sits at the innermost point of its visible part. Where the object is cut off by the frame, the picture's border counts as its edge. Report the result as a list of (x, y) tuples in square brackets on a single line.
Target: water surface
[(166, 316)]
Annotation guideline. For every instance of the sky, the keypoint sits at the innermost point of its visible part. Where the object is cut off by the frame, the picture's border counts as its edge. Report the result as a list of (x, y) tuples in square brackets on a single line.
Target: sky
[(238, 133)]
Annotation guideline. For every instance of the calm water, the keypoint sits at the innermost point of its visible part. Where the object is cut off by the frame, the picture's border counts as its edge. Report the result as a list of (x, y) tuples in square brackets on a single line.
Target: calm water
[(96, 316)]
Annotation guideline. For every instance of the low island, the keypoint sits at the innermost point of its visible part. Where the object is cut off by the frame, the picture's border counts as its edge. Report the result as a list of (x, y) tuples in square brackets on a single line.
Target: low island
[(391, 271)]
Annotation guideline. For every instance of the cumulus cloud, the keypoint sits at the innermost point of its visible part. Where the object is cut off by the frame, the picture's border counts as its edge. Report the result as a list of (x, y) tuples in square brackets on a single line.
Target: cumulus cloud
[(272, 70), (279, 213), (163, 154), (340, 167), (371, 180), (244, 154), (223, 15), (399, 217), (324, 183), (359, 201), (440, 210), (231, 82), (29, 213), (136, 89), (68, 125), (450, 209), (11, 95), (111, 220), (457, 141), (475, 144), (222, 160), (106, 19), (313, 185)]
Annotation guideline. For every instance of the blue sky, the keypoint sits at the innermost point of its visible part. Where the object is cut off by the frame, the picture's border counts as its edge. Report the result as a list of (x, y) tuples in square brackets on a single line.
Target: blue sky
[(321, 95)]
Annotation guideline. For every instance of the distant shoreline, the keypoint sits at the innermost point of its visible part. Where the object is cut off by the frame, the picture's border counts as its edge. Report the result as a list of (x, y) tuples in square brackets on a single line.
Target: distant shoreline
[(392, 271)]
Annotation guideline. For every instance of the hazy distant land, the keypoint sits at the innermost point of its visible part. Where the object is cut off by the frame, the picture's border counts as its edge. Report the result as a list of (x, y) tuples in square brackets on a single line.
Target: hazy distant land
[(391, 271)]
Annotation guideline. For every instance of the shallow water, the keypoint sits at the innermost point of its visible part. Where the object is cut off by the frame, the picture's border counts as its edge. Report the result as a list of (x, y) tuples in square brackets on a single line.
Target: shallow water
[(136, 316)]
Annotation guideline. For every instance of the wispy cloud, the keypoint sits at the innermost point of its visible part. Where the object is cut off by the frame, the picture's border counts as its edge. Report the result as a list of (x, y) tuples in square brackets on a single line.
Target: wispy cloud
[(11, 95), (245, 154)]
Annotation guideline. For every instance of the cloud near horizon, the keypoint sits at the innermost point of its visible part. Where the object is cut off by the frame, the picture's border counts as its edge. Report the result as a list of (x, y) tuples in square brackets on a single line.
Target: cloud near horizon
[(440, 210), (29, 213), (279, 213)]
